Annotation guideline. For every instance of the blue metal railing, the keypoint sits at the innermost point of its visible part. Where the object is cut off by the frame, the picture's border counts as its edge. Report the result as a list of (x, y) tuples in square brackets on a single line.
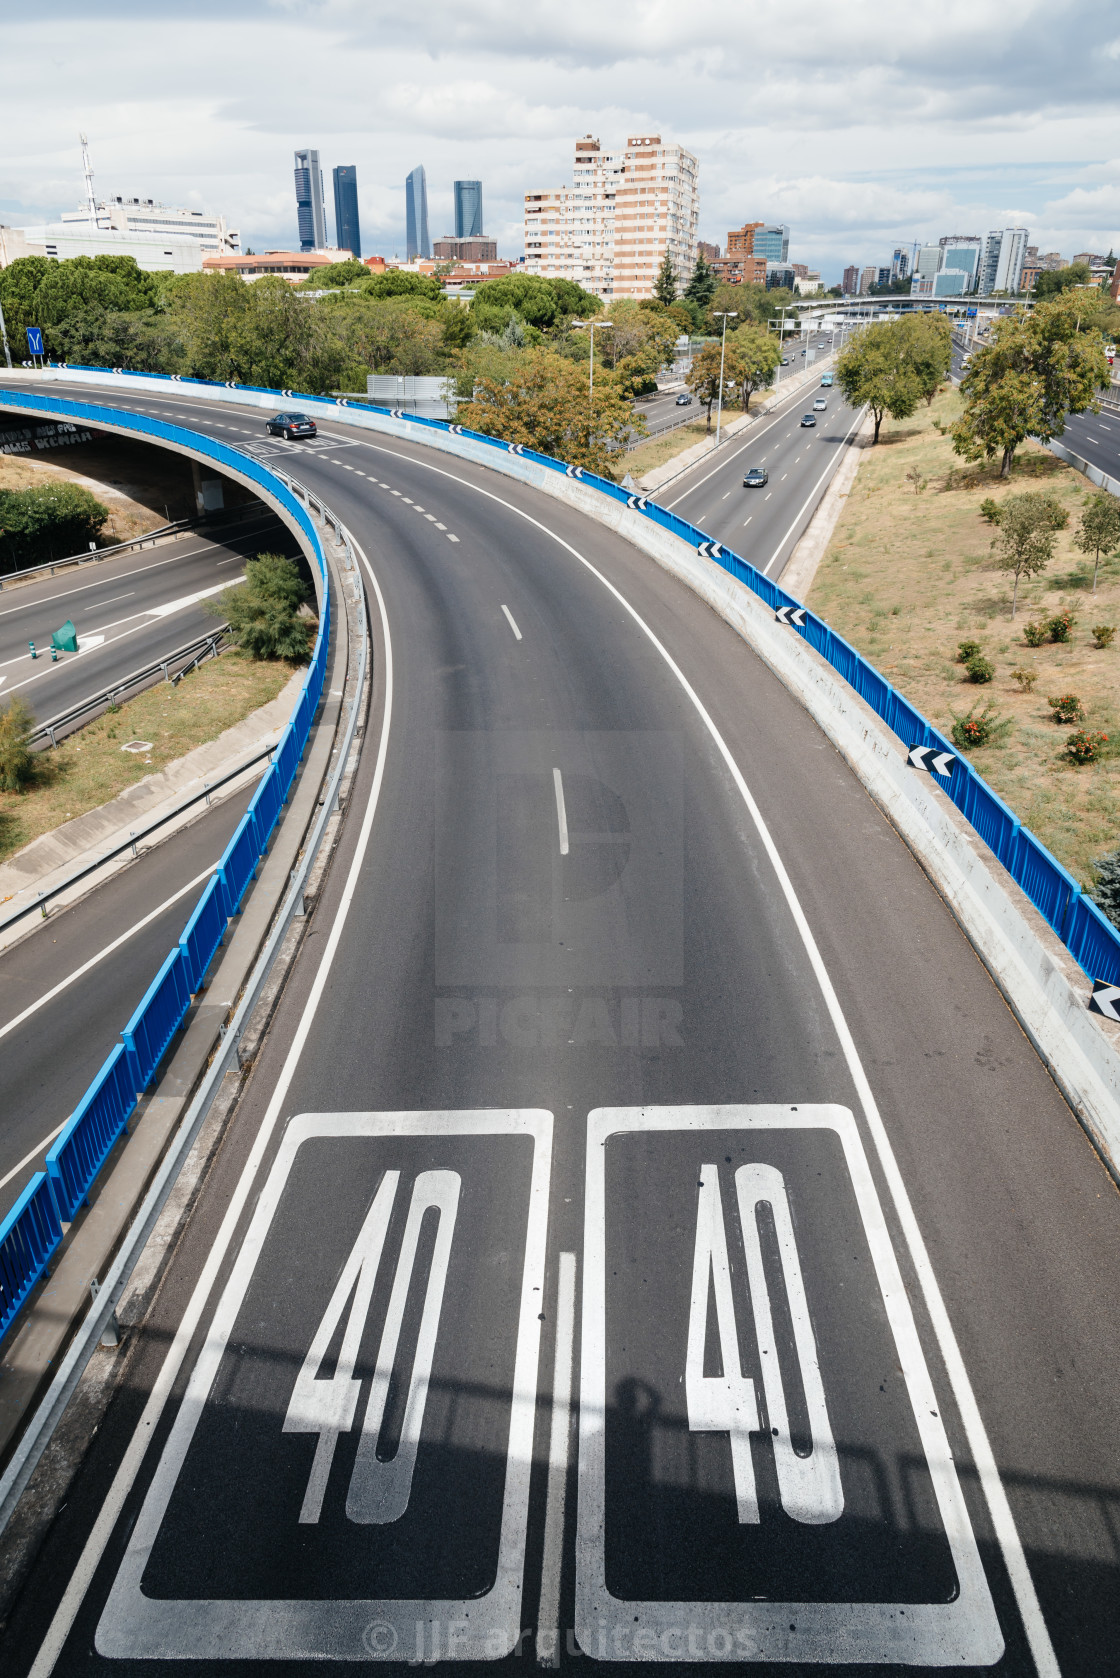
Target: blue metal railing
[(32, 1231)]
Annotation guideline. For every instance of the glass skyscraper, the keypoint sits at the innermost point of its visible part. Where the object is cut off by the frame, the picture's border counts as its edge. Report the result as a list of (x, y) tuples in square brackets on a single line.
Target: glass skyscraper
[(417, 242), (468, 209), (310, 208), (348, 235), (771, 241)]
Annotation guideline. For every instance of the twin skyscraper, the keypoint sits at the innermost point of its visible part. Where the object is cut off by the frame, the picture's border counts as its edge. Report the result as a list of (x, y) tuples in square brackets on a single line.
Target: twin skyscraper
[(311, 209), (312, 212), (468, 213)]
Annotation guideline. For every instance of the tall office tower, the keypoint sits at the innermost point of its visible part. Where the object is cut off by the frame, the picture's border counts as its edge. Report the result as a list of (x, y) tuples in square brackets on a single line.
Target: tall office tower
[(348, 234), (310, 207), (771, 240), (468, 210), (416, 214), (962, 252), (850, 283), (900, 264), (1001, 261), (611, 230)]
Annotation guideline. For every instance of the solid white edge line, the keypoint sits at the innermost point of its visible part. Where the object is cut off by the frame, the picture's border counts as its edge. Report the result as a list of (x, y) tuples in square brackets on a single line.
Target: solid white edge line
[(513, 626), (832, 466), (125, 1477), (561, 812), (1003, 1521), (27, 1158), (548, 1619)]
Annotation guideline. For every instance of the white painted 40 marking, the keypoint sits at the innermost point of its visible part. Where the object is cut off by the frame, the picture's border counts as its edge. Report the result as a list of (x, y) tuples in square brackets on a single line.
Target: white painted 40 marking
[(810, 1486), (379, 1491)]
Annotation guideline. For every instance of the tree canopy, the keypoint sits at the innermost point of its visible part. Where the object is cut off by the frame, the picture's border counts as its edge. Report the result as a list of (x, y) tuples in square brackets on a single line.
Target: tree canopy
[(1038, 368), (875, 370), (544, 404)]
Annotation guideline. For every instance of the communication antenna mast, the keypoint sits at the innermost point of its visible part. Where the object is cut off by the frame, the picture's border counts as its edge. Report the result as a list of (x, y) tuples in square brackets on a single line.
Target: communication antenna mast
[(87, 170)]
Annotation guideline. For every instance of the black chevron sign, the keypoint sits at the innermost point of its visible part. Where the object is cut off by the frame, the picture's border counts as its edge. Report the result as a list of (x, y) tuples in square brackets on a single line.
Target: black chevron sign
[(1105, 999), (516, 448), (455, 430), (396, 413), (791, 614), (929, 757), (637, 501), (709, 550), (573, 471)]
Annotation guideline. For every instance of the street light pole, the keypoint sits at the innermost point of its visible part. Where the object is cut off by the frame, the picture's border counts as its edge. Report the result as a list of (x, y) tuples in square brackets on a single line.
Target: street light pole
[(592, 324), (4, 335), (732, 314)]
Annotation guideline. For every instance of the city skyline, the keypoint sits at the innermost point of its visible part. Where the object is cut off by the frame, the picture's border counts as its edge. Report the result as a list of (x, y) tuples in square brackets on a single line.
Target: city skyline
[(1024, 132)]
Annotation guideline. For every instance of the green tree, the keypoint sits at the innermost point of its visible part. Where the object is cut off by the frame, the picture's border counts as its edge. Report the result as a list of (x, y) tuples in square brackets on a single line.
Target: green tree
[(665, 285), (48, 521), (348, 272), (392, 283), (1052, 282), (875, 370), (544, 404), (1098, 530), (759, 358), (38, 291), (702, 284), (538, 301), (1028, 528), (1038, 368), (264, 612), (703, 377), (928, 351)]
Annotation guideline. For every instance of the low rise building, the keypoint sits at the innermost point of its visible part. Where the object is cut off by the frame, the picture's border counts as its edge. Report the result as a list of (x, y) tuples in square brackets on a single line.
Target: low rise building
[(154, 252), (474, 248), (293, 266)]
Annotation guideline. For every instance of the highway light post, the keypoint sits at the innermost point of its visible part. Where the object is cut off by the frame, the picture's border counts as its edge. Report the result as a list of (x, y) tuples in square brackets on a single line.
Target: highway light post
[(591, 325), (4, 336), (728, 314)]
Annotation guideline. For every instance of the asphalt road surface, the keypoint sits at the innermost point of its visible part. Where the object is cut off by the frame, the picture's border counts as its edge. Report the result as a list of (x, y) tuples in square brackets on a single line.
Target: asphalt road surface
[(646, 1235), (127, 611), (764, 525)]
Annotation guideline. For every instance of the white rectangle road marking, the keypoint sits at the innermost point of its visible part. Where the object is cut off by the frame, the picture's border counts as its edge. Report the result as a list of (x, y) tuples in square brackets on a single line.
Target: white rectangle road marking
[(548, 1619), (960, 1631), (512, 624)]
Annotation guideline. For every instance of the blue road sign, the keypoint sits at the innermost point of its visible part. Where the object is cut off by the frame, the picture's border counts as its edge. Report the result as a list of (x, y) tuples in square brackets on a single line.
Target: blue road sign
[(35, 339)]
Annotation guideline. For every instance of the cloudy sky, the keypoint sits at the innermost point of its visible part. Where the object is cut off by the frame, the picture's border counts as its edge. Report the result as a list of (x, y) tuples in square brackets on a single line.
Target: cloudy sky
[(861, 125)]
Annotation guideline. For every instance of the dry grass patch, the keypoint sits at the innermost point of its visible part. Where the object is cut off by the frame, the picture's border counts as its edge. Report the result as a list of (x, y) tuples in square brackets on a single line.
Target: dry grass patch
[(90, 768), (909, 574), (660, 449)]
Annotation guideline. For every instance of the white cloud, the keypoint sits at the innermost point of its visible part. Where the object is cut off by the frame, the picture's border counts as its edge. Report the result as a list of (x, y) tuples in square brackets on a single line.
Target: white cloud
[(861, 126)]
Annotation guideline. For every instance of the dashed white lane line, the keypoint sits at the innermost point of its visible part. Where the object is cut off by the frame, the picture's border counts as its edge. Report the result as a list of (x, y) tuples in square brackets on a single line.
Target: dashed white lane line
[(561, 812), (440, 526), (451, 538), (747, 521), (512, 625)]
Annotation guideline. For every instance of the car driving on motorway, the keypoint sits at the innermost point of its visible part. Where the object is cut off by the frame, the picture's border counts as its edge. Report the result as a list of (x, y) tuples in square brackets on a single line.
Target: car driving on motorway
[(808, 419), (820, 405), (292, 425), (684, 399), (755, 476)]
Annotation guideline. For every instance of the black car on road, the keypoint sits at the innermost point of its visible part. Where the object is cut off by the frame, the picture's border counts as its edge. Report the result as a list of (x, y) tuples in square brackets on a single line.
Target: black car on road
[(755, 477), (808, 419), (292, 425)]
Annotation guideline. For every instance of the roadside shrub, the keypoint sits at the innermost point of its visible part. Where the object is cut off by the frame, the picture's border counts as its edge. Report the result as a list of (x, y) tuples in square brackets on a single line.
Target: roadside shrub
[(1026, 679), (47, 521), (980, 669), (1060, 626), (1103, 635), (16, 762), (1084, 747), (1034, 634), (981, 727), (266, 613), (989, 510), (967, 650), (1067, 707)]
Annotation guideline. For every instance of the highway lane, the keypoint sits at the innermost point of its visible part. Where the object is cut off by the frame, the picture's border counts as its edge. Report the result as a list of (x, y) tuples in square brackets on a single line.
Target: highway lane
[(1095, 437), (127, 611), (765, 524), (66, 991), (629, 936)]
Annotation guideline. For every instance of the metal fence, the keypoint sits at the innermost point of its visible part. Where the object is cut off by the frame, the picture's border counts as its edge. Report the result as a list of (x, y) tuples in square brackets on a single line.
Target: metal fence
[(32, 1230)]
